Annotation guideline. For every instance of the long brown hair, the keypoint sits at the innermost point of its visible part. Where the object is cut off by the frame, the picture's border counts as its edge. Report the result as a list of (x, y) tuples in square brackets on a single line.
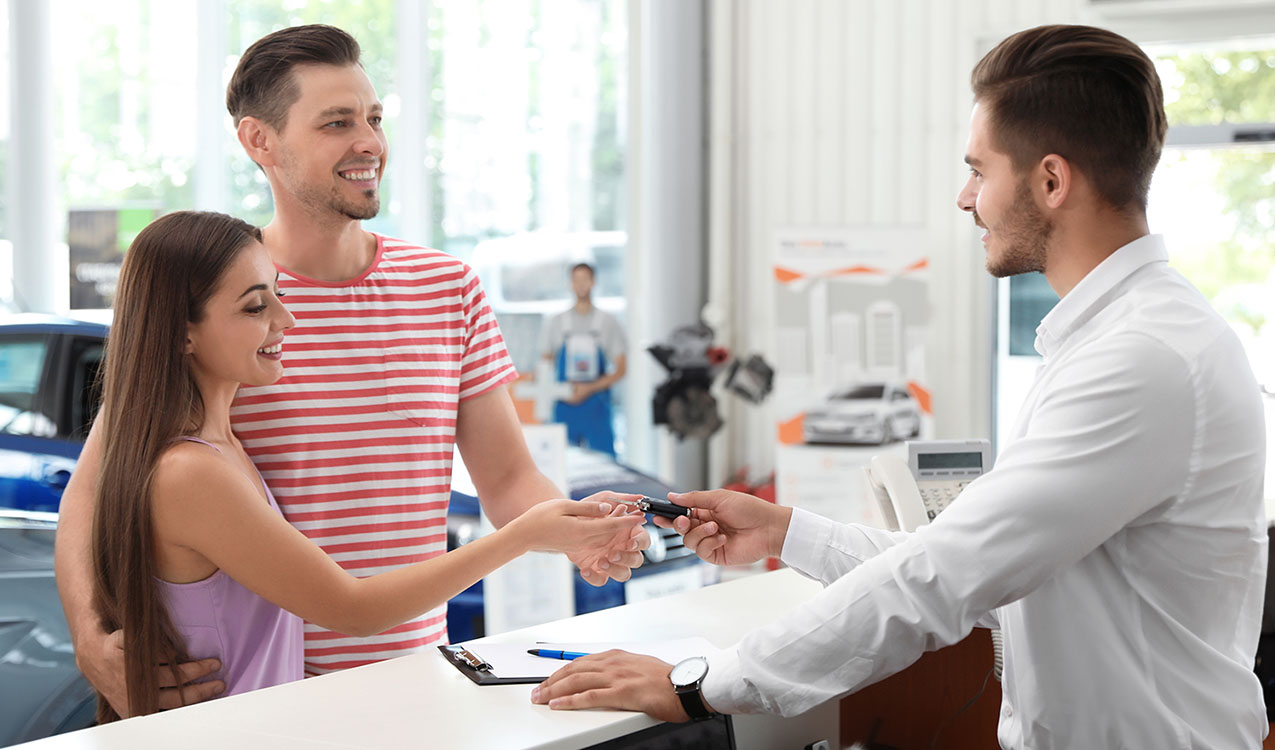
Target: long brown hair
[(149, 399)]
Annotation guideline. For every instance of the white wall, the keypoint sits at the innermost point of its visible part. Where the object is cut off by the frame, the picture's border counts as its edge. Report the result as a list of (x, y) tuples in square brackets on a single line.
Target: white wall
[(851, 112)]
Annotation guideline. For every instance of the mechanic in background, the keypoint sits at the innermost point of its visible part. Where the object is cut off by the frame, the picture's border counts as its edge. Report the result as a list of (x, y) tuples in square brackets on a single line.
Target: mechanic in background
[(586, 346)]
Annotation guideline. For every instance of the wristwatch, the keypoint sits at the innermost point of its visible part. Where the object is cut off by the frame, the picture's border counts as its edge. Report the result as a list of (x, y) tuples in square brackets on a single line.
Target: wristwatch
[(687, 676)]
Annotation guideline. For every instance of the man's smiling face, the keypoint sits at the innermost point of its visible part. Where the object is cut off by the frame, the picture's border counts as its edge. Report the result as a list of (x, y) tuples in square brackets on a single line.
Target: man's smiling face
[(1001, 202), (332, 147)]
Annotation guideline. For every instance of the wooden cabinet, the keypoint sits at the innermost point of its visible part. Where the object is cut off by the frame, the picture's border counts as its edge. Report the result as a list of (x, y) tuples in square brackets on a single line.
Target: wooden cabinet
[(905, 711)]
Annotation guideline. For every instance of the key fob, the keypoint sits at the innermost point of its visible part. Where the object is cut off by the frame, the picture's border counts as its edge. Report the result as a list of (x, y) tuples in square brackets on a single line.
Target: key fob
[(664, 508)]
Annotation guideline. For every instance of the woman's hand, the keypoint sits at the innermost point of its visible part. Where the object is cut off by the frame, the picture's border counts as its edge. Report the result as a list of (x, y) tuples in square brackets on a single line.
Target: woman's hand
[(573, 527)]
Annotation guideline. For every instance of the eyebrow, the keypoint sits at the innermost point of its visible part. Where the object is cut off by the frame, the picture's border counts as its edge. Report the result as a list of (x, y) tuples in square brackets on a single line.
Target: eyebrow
[(345, 111), (972, 161), (250, 290), (257, 288)]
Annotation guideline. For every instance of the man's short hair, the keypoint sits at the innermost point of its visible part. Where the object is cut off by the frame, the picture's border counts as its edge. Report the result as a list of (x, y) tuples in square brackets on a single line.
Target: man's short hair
[(1087, 94), (583, 267), (263, 85)]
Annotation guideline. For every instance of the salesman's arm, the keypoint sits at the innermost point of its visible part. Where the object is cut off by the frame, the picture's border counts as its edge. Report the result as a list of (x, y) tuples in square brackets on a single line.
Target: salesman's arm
[(98, 654), (491, 443), (1048, 503)]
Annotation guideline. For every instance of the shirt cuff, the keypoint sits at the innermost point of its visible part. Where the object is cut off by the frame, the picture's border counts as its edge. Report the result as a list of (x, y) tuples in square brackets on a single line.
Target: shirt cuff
[(724, 687), (807, 541)]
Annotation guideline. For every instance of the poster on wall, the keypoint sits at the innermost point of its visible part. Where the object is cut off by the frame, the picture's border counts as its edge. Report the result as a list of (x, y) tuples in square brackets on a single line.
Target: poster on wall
[(96, 241), (852, 314)]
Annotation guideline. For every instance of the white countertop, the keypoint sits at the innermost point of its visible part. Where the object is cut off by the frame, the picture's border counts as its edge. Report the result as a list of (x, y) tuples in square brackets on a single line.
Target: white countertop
[(423, 701)]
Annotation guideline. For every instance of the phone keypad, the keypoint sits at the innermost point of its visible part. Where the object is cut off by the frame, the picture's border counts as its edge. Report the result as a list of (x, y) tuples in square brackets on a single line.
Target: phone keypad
[(937, 495)]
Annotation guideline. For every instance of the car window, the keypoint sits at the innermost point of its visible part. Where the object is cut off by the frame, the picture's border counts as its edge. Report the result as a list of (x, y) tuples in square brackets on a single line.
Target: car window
[(22, 361), (861, 392), (85, 392)]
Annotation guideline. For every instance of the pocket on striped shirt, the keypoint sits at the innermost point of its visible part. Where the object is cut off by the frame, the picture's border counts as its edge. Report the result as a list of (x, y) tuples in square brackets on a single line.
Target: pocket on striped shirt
[(421, 383)]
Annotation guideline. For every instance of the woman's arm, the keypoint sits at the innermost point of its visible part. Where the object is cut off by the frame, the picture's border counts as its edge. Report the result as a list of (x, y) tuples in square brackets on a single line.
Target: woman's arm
[(100, 655), (207, 505)]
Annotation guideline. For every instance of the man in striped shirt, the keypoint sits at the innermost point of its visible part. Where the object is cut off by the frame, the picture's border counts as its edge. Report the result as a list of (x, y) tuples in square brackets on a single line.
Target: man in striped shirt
[(396, 357)]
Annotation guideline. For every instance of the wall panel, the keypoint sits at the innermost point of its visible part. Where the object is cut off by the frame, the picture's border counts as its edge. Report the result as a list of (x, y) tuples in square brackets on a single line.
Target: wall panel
[(854, 112)]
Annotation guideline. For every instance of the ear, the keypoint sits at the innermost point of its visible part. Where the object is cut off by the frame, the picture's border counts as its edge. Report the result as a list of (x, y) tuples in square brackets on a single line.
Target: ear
[(1053, 180), (258, 140), (189, 347)]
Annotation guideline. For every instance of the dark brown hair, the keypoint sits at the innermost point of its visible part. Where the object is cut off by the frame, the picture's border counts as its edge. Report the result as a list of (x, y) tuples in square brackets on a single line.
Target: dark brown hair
[(149, 399), (1087, 94), (263, 85), (583, 267)]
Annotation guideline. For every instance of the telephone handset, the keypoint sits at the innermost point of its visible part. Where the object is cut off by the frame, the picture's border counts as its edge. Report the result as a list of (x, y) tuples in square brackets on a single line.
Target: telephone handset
[(911, 494)]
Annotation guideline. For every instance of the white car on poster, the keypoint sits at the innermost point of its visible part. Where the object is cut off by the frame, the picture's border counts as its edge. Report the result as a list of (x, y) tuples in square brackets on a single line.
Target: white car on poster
[(868, 412)]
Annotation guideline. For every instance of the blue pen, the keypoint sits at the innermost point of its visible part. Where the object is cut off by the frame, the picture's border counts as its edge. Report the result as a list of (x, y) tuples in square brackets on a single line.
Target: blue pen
[(550, 653)]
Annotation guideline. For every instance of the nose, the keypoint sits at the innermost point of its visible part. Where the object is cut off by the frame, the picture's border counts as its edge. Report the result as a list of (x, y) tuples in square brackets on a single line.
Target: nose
[(371, 140), (966, 199), (283, 319)]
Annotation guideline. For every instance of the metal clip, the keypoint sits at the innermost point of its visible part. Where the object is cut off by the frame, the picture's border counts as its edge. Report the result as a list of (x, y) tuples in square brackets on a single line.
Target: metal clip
[(469, 658)]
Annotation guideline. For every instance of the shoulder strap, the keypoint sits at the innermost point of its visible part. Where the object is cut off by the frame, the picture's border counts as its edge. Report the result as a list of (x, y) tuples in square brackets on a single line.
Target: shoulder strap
[(197, 440)]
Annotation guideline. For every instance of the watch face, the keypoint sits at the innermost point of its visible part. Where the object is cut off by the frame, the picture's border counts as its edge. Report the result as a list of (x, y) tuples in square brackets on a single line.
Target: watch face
[(689, 671)]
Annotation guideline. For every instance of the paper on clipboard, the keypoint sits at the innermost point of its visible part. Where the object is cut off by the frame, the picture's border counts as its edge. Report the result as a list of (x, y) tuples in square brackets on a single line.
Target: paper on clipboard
[(511, 660)]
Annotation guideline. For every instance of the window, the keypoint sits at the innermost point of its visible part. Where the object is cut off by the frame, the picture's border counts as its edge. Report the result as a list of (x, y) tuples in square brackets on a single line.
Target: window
[(22, 361), (84, 392), (6, 249), (527, 120), (125, 131), (4, 107), (523, 129)]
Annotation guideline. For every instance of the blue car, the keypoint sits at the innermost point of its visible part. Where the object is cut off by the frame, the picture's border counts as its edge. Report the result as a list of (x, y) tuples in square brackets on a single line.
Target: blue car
[(48, 397)]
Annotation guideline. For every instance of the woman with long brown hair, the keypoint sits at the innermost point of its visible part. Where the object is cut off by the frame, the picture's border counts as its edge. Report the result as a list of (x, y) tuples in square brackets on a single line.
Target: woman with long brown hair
[(192, 557)]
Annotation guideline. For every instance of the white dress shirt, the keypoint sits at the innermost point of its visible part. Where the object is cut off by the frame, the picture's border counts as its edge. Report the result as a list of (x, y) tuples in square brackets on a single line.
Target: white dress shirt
[(1119, 544)]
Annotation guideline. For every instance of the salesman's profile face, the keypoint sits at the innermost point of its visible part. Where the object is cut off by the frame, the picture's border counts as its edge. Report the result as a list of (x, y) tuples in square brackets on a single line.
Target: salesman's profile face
[(1000, 200), (332, 148)]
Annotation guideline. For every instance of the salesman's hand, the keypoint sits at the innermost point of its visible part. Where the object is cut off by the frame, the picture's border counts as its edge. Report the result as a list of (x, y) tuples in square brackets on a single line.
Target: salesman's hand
[(730, 528), (103, 666), (623, 552), (613, 679)]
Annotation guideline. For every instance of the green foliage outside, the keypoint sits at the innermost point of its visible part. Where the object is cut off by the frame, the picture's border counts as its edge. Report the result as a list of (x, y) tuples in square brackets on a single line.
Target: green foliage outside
[(108, 155), (1236, 87), (108, 162), (608, 154)]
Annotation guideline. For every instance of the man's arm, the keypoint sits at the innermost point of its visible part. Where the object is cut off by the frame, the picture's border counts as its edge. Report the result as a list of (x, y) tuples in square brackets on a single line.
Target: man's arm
[(1101, 451), (581, 391), (98, 654), (490, 440)]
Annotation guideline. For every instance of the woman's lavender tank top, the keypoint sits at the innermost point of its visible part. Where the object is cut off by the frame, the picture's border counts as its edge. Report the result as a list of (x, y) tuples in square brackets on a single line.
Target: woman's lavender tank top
[(258, 643)]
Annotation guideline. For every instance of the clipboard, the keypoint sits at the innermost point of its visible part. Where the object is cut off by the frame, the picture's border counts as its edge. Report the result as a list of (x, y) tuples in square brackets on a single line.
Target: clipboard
[(509, 663), (478, 670)]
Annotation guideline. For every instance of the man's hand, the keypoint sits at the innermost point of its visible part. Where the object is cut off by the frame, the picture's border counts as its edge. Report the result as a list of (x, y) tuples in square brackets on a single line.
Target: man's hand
[(579, 392), (613, 679), (730, 528), (103, 667), (623, 552)]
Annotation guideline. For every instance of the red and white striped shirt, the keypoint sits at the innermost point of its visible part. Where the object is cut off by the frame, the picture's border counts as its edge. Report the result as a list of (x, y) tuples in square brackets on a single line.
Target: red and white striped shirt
[(355, 440)]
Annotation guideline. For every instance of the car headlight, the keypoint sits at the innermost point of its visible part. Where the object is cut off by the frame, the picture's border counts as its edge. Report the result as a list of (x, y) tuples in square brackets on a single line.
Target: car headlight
[(658, 549), (464, 532)]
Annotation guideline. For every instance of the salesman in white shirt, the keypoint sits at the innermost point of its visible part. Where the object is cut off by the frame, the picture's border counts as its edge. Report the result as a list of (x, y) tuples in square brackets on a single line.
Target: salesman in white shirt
[(1120, 542)]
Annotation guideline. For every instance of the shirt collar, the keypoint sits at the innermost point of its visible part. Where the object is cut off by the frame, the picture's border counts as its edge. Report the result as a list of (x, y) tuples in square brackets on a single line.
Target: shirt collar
[(1075, 307)]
